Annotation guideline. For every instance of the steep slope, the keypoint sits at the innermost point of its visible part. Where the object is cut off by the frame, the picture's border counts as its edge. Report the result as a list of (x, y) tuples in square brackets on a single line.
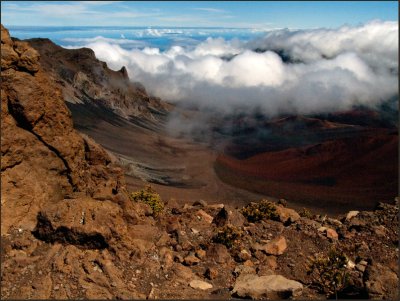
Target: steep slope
[(335, 175), (57, 185), (36, 124), (86, 80)]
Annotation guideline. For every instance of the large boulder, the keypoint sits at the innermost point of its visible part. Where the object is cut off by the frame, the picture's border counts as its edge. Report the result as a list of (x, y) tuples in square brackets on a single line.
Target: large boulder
[(266, 287), (85, 222)]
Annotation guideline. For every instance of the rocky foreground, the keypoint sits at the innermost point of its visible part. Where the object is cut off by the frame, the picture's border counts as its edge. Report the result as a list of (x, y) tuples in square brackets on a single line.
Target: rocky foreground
[(70, 230)]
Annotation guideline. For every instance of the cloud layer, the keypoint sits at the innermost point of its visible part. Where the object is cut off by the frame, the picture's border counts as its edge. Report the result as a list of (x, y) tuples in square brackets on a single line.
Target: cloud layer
[(322, 70)]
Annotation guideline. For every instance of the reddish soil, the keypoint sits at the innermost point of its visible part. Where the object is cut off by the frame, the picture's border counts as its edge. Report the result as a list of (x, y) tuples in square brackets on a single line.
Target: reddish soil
[(338, 174)]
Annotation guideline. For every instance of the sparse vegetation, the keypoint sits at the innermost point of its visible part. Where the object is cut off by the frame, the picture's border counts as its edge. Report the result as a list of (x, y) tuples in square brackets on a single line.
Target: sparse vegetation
[(306, 213), (150, 197), (255, 212), (228, 236), (329, 272)]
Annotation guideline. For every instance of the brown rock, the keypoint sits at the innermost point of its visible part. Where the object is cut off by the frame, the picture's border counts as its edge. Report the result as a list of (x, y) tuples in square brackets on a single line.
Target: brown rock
[(287, 215), (184, 241), (199, 284), (173, 224), (277, 246), (41, 287), (271, 262), (332, 234), (28, 57), (266, 287), (248, 263), (216, 206), (244, 255), (204, 216), (211, 273), (351, 214), (380, 230), (166, 257), (145, 232), (200, 203), (191, 260), (218, 253), (243, 270), (264, 270), (142, 209), (201, 254), (229, 216), (381, 282), (85, 222), (183, 274), (163, 240)]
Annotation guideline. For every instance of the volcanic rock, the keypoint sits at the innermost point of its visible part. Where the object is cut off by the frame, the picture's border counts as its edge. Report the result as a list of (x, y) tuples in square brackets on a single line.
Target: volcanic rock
[(351, 214), (380, 280), (266, 287), (36, 124), (191, 260), (211, 273), (198, 284), (204, 216), (83, 79), (218, 253), (277, 246), (228, 215), (83, 222), (287, 215), (332, 234)]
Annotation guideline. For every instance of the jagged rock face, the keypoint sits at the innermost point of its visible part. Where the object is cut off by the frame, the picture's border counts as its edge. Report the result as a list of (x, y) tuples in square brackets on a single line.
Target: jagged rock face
[(43, 159), (83, 78)]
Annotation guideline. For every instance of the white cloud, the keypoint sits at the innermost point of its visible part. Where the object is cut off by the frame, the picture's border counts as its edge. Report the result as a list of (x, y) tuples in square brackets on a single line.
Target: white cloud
[(92, 12), (339, 68), (376, 42), (210, 10)]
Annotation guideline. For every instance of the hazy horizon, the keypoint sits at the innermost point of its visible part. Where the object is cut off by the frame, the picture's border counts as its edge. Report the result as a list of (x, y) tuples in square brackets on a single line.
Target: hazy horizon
[(238, 14)]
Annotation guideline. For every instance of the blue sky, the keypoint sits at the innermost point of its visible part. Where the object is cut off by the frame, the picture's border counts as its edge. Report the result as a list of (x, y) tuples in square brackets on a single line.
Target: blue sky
[(263, 14)]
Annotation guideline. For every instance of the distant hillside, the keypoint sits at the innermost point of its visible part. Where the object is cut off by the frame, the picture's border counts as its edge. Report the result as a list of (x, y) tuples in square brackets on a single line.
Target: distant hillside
[(86, 80)]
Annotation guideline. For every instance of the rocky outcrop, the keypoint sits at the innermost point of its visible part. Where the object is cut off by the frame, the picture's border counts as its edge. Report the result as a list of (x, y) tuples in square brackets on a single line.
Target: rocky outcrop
[(83, 79), (36, 124), (59, 188)]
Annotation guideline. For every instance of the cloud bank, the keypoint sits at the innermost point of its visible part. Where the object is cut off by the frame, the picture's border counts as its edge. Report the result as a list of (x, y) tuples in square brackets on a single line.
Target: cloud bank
[(303, 71)]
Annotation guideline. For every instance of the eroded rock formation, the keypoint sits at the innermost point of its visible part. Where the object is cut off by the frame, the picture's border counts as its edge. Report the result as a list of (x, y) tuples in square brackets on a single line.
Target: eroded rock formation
[(44, 160)]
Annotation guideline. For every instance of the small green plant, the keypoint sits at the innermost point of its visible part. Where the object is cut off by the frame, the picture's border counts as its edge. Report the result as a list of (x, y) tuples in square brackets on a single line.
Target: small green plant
[(150, 197), (306, 213), (228, 236), (329, 272), (255, 212)]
